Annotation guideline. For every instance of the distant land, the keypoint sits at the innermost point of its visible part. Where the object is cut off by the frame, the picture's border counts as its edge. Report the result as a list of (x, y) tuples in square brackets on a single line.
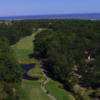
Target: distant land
[(87, 16)]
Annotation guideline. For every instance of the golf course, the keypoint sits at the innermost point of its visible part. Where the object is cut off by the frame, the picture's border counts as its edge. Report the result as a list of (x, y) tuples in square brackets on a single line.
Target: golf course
[(23, 49)]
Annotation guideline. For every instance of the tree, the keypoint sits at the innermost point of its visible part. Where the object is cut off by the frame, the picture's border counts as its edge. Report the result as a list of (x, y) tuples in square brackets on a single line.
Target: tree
[(72, 82), (90, 72), (97, 92), (20, 94), (3, 94)]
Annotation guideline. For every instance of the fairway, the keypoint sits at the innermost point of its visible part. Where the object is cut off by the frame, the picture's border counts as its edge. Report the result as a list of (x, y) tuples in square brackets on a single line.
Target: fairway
[(33, 88), (34, 91), (54, 90), (25, 47), (22, 50)]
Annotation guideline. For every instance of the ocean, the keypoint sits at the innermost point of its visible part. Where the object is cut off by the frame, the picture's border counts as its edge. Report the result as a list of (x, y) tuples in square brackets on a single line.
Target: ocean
[(91, 16)]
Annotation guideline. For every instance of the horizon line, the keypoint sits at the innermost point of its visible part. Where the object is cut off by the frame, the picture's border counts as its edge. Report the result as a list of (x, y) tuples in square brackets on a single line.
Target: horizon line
[(50, 14)]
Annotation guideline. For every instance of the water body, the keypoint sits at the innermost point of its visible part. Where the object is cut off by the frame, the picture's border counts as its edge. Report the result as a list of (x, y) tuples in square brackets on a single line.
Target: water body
[(90, 16), (26, 68)]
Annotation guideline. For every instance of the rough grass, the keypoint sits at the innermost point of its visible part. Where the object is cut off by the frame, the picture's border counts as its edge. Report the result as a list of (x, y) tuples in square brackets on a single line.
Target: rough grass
[(34, 91), (85, 93), (25, 47), (60, 94)]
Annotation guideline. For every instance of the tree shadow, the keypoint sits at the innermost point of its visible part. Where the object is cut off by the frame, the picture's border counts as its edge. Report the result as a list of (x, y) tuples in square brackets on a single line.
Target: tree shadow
[(34, 41), (35, 55), (45, 71), (31, 56), (92, 95), (82, 84)]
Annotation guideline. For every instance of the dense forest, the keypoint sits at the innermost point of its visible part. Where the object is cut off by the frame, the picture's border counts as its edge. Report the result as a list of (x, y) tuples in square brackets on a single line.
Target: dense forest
[(10, 70), (68, 43), (64, 45)]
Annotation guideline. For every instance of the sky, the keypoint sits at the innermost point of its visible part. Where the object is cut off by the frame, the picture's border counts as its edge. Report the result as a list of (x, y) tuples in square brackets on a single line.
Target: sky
[(46, 7)]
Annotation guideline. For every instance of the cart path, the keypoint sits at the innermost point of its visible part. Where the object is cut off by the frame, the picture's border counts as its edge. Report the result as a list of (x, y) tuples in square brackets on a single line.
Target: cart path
[(48, 79)]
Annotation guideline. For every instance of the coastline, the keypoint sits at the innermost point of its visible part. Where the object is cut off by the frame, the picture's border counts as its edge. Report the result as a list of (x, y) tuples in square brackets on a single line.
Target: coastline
[(84, 16)]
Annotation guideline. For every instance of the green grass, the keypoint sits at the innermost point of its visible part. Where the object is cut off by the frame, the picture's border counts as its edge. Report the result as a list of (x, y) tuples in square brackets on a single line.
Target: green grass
[(85, 93), (25, 47), (33, 88), (36, 70), (22, 49), (60, 94), (34, 91)]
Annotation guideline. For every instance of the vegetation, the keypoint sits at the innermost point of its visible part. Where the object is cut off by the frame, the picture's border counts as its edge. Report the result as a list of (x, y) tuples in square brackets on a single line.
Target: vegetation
[(32, 88), (67, 43), (6, 91), (24, 48), (20, 94), (59, 93), (10, 73), (34, 91), (10, 70), (63, 44), (36, 72)]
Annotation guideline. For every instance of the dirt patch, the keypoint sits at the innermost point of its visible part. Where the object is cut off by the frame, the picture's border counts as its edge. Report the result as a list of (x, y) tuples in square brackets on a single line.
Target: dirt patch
[(78, 89), (50, 35)]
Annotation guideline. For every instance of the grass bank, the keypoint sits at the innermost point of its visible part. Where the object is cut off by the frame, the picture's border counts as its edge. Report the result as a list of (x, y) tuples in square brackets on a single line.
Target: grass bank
[(36, 72), (60, 94)]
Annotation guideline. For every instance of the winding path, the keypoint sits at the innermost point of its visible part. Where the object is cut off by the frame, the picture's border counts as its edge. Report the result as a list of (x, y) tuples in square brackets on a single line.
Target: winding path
[(48, 79)]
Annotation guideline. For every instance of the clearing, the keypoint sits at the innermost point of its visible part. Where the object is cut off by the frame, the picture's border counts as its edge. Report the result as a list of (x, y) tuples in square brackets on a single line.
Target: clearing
[(22, 50), (25, 47)]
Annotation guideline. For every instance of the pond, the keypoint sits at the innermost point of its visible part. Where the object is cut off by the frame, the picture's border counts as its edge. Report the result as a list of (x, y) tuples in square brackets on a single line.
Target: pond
[(25, 69)]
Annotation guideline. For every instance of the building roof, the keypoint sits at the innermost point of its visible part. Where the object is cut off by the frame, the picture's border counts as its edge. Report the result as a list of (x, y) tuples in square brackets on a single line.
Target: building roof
[(91, 59)]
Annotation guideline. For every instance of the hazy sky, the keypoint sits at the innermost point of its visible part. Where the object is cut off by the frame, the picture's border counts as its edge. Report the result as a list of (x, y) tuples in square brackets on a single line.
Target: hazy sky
[(43, 7)]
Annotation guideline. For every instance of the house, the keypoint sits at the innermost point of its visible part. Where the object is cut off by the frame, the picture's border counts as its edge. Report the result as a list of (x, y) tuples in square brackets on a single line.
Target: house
[(89, 59)]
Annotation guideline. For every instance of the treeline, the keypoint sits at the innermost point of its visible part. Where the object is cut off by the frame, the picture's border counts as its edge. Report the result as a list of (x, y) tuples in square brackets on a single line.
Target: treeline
[(16, 29), (64, 44), (67, 43), (10, 70), (10, 73)]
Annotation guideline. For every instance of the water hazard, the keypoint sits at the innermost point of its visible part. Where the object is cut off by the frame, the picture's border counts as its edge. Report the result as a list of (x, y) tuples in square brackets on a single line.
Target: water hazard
[(25, 69)]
